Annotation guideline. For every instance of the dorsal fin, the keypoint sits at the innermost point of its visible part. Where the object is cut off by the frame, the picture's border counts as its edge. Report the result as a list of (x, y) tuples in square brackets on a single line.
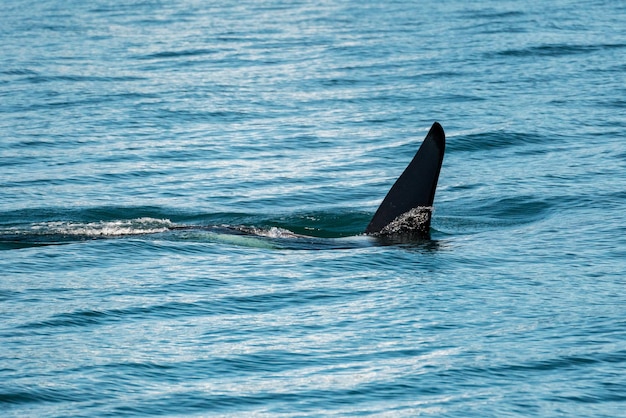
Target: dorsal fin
[(416, 186)]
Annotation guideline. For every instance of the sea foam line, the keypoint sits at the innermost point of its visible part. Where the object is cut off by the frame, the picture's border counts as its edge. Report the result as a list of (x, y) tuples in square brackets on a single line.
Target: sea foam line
[(103, 228)]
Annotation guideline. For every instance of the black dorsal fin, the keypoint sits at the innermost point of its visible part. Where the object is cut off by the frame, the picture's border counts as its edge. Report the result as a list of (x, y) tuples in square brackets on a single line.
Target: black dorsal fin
[(416, 186)]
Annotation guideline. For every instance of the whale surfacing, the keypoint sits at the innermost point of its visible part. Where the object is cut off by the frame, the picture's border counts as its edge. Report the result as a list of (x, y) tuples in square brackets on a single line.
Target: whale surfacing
[(407, 208)]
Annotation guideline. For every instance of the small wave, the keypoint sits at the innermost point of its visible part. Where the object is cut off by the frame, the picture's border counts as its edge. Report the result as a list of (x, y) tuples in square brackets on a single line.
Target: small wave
[(557, 50), (181, 53), (18, 71), (35, 78), (492, 140), (491, 14), (36, 395), (498, 214)]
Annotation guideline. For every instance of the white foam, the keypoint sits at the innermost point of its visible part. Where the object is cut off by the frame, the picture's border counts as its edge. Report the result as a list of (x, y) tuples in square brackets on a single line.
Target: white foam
[(104, 228), (416, 220), (273, 232)]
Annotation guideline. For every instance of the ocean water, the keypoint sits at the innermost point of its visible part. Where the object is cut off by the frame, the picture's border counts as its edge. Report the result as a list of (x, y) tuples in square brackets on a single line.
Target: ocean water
[(122, 121)]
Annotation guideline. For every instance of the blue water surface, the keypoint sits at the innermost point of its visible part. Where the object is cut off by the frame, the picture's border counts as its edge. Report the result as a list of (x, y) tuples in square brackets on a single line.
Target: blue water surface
[(122, 121)]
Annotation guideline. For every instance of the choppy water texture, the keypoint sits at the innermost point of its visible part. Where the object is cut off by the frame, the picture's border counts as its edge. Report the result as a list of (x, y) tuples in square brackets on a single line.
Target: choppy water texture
[(121, 121)]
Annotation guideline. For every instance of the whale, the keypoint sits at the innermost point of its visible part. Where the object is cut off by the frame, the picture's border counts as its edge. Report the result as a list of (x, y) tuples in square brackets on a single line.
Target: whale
[(404, 216), (407, 208)]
